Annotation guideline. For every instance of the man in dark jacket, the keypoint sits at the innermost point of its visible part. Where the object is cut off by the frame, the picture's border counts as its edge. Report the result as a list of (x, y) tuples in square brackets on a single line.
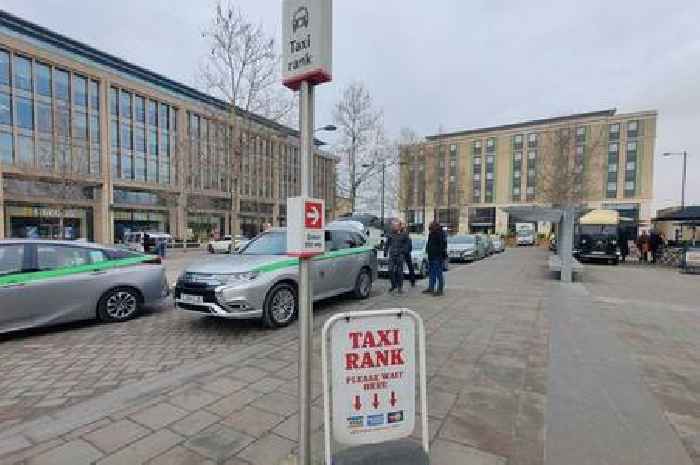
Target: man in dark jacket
[(407, 257), (395, 249), (437, 252)]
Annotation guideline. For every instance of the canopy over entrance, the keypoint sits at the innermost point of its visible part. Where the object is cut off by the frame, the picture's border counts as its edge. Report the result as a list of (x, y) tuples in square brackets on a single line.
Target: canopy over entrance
[(532, 214), (600, 217)]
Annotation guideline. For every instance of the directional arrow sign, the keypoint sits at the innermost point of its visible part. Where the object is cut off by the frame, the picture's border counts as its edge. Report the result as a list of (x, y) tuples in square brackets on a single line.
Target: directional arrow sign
[(313, 215), (394, 399), (357, 405)]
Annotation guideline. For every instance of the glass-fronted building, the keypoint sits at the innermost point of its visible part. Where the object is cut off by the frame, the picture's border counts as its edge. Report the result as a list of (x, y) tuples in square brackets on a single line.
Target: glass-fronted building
[(92, 146)]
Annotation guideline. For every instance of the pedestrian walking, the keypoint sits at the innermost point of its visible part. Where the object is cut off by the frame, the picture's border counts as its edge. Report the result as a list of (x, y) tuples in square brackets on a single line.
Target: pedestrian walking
[(643, 246), (437, 253), (407, 257), (395, 249), (624, 245)]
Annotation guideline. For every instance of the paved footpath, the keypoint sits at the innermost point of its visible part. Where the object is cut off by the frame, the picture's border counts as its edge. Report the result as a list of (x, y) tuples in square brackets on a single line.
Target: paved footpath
[(492, 392)]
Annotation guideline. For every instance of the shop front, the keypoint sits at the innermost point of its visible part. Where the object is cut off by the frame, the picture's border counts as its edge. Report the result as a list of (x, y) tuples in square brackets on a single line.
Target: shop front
[(482, 220), (48, 222), (126, 221), (203, 227)]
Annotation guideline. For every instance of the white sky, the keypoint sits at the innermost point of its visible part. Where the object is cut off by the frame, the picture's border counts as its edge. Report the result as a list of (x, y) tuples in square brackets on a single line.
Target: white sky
[(453, 63)]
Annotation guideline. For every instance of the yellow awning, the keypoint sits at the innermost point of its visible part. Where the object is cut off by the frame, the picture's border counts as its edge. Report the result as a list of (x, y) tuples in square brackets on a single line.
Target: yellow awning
[(601, 217)]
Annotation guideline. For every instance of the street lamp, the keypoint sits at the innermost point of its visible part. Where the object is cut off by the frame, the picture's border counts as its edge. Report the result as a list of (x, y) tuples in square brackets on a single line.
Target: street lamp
[(327, 127), (684, 154)]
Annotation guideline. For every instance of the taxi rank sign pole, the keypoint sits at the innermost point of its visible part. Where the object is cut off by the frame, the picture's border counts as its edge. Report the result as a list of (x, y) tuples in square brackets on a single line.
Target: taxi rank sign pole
[(306, 62)]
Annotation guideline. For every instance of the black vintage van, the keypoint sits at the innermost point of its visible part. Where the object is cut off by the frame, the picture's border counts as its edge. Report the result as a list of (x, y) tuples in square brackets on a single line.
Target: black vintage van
[(597, 242)]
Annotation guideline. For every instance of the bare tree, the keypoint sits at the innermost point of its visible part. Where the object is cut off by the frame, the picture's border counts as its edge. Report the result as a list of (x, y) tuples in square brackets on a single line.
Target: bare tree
[(564, 179), (361, 130), (243, 68), (243, 65)]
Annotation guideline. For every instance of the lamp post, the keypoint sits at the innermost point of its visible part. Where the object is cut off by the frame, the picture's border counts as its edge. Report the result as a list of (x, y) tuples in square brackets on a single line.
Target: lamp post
[(684, 154)]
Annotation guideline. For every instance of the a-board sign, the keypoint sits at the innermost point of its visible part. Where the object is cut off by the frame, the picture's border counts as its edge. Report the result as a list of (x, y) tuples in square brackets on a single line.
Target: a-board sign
[(373, 373), (307, 27), (305, 226)]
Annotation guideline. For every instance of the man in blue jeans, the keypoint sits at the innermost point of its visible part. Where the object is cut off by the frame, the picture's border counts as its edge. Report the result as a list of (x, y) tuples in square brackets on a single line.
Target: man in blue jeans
[(395, 248), (437, 252)]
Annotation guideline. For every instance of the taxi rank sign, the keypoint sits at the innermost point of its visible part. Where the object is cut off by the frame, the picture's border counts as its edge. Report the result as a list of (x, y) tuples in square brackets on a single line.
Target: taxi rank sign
[(306, 42), (374, 379)]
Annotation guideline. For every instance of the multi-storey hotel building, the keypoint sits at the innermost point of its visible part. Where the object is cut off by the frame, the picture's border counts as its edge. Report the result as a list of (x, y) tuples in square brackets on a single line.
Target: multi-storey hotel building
[(92, 146), (464, 179)]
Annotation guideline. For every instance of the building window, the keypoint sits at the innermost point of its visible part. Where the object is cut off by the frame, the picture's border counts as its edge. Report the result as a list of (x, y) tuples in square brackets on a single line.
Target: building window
[(632, 129), (25, 113), (4, 68), (79, 125), (518, 156), (95, 129), (43, 79), (490, 144), (139, 109), (612, 168), (61, 84), (44, 117), (6, 147), (631, 147), (94, 95), (477, 161), (531, 155), (579, 150), (613, 148), (152, 113), (5, 109), (581, 134), (25, 150), (79, 91), (124, 104), (629, 187), (614, 131), (532, 140), (113, 101), (23, 73), (516, 174)]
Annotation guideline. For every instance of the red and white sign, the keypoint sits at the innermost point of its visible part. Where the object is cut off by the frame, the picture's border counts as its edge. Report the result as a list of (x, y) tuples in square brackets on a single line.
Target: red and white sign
[(373, 373), (305, 227), (307, 31), (313, 214)]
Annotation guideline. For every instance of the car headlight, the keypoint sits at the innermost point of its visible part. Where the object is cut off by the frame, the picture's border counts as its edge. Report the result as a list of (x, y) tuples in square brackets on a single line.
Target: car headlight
[(235, 278)]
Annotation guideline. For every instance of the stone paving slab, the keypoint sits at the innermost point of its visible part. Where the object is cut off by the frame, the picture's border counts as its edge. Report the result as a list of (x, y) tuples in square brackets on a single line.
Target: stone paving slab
[(240, 408)]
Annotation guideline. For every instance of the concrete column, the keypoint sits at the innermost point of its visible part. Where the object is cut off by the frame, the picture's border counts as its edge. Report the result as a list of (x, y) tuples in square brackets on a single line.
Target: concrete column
[(102, 214), (2, 206), (275, 182), (178, 214), (464, 220), (236, 150), (566, 237), (501, 221)]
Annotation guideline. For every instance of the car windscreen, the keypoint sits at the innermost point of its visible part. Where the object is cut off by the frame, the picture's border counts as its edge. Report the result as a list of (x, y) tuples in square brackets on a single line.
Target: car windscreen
[(271, 243), (418, 244), (461, 240)]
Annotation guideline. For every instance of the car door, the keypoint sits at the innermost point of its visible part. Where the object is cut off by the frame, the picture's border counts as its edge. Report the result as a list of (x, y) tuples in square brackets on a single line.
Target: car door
[(323, 269), (69, 288), (15, 303)]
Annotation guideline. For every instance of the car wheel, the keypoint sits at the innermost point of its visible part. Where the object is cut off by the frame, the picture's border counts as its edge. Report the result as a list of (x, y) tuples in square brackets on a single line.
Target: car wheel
[(363, 285), (210, 249), (281, 306), (120, 304)]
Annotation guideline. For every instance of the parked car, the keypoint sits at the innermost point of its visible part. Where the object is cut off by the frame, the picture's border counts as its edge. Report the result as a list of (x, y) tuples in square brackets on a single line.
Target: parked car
[(144, 241), (418, 256), (488, 244), (499, 244), (463, 248), (260, 282), (45, 282), (228, 244)]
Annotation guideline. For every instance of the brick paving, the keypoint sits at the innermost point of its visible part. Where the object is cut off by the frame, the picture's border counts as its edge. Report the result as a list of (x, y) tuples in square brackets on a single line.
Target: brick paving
[(235, 401)]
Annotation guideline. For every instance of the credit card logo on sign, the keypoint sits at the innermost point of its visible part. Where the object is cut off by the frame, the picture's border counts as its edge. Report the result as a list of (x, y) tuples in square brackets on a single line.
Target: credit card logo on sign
[(375, 420), (356, 422), (394, 417)]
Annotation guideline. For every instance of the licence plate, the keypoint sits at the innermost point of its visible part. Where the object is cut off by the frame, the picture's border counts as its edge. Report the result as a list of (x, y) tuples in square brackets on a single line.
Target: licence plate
[(191, 299), (597, 253)]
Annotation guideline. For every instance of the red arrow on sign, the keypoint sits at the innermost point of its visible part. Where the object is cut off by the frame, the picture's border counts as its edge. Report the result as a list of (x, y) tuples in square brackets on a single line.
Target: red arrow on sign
[(394, 399), (375, 403), (313, 215), (357, 403)]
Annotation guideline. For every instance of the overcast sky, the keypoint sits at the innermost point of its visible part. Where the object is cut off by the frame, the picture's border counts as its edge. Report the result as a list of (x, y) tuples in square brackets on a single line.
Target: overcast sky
[(452, 63)]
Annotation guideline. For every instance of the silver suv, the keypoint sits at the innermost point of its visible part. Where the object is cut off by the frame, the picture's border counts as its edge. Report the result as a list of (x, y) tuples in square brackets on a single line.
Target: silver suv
[(260, 282)]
